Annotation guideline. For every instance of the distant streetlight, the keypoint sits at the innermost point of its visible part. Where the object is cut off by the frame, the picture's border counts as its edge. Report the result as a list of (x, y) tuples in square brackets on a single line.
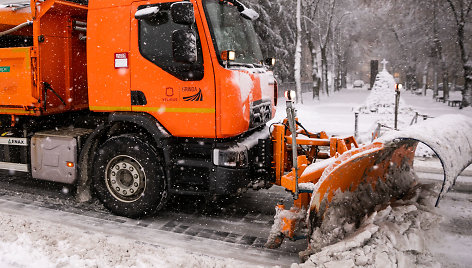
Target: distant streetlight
[(398, 87)]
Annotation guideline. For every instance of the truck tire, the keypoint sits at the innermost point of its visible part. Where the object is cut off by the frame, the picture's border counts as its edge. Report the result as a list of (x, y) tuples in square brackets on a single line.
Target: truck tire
[(128, 177)]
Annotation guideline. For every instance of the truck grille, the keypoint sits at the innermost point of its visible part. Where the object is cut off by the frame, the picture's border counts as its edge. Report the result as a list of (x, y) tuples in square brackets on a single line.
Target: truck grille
[(261, 112)]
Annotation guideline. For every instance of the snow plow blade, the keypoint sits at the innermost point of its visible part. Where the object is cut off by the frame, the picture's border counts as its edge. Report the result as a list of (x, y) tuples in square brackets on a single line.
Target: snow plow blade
[(358, 179)]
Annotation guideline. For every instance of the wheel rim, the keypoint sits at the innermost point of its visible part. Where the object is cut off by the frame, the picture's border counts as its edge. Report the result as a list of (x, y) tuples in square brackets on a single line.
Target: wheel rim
[(125, 178)]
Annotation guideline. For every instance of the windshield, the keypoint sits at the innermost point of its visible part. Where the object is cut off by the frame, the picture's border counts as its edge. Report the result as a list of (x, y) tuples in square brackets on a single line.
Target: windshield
[(230, 31)]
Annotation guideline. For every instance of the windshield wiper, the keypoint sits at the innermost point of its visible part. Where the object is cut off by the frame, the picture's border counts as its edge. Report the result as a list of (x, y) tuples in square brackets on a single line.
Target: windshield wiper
[(248, 65), (232, 63)]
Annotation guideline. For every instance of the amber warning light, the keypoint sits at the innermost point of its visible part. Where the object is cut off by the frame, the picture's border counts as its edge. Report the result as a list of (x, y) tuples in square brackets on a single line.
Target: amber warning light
[(228, 55), (70, 164), (121, 60)]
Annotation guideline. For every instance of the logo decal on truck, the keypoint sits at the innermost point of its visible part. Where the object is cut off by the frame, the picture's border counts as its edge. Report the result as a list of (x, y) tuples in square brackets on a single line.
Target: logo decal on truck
[(4, 69), (196, 97), (169, 92), (17, 141)]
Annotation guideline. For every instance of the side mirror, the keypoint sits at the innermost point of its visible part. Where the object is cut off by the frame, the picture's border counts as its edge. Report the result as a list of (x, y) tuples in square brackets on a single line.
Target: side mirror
[(184, 46), (182, 13), (249, 14), (146, 13)]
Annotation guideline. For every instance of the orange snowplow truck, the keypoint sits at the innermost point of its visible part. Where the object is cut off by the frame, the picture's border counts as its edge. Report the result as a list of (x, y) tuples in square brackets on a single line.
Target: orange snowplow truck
[(135, 101)]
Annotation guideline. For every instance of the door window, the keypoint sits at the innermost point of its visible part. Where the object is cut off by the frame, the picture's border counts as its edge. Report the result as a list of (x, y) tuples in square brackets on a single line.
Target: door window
[(155, 44)]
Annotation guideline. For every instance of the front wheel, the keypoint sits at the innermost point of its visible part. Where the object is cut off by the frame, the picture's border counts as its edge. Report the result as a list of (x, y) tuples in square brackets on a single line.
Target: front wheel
[(129, 178)]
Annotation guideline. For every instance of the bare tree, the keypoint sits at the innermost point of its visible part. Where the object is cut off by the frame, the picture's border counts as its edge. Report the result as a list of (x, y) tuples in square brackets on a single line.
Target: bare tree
[(298, 53), (324, 36), (461, 11), (311, 7)]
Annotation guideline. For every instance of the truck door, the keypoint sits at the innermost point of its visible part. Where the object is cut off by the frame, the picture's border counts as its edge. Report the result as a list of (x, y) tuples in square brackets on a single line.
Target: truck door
[(181, 96)]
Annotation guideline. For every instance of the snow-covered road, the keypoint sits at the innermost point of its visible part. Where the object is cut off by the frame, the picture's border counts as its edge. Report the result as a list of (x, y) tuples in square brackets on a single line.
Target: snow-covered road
[(51, 231)]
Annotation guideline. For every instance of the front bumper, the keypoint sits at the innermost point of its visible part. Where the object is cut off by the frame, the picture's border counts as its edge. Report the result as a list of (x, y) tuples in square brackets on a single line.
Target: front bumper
[(219, 167), (240, 163)]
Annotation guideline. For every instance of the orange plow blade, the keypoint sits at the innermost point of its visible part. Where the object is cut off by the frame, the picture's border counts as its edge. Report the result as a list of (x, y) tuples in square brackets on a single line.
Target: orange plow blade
[(357, 182)]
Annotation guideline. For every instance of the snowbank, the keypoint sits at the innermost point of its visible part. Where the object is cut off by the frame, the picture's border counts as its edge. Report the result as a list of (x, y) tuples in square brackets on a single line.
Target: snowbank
[(28, 242), (393, 236)]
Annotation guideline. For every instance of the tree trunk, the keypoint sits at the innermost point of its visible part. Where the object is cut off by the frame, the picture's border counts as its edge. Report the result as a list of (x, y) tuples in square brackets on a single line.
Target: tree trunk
[(314, 70), (411, 79), (445, 81), (425, 78), (298, 55), (343, 72), (435, 82), (324, 70), (467, 92), (454, 82), (461, 12), (333, 66)]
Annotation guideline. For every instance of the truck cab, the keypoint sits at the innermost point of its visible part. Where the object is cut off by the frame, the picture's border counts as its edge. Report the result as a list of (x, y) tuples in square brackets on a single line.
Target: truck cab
[(207, 98)]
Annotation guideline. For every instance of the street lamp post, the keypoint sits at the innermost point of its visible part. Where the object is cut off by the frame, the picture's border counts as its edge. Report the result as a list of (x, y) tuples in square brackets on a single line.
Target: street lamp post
[(398, 87)]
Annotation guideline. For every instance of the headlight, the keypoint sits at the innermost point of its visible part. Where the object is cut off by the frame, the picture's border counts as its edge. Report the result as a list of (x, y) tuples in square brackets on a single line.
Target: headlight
[(234, 158)]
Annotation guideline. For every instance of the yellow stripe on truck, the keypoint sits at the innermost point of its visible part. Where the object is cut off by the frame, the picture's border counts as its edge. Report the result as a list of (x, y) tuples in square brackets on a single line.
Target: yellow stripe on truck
[(110, 108), (16, 111), (174, 110), (155, 109)]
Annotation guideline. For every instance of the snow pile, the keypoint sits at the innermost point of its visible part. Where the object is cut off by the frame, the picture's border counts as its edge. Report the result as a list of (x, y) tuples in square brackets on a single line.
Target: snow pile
[(392, 236), (382, 98), (25, 242), (382, 101)]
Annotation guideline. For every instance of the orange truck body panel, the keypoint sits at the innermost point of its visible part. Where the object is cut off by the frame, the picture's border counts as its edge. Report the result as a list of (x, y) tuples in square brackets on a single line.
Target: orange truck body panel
[(88, 78), (11, 19), (59, 59), (18, 90)]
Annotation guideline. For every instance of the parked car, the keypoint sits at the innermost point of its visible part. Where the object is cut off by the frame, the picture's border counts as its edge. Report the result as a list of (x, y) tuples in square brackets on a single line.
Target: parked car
[(358, 83)]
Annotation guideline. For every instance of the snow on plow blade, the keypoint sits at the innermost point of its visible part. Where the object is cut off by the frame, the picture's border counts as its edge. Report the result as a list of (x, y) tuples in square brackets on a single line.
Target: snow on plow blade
[(385, 168)]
